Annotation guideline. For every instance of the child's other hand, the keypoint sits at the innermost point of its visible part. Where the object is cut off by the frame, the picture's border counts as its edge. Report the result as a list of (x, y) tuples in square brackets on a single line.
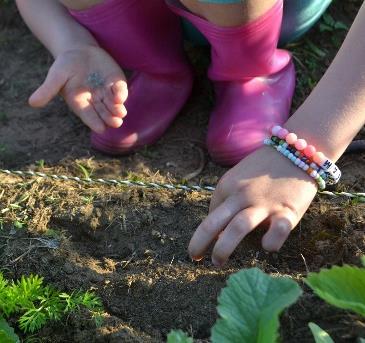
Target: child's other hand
[(266, 188), (91, 82)]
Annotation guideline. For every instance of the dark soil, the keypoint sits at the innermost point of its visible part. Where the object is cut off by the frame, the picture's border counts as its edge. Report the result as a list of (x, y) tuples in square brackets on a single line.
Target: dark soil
[(129, 245)]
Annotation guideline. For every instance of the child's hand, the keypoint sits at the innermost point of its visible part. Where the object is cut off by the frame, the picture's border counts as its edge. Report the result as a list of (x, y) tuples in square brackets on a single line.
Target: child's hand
[(264, 187), (91, 82)]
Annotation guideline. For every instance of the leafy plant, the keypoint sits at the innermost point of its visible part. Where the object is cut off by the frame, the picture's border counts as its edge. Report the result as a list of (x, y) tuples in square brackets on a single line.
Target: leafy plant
[(35, 304), (249, 307), (343, 287), (7, 334), (320, 336), (178, 336)]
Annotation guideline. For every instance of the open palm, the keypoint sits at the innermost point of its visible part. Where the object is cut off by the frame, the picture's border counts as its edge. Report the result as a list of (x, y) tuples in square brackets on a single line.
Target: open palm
[(92, 84)]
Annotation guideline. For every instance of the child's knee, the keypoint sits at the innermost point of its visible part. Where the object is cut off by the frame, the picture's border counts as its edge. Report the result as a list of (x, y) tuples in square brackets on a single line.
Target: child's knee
[(80, 4), (193, 6), (223, 13)]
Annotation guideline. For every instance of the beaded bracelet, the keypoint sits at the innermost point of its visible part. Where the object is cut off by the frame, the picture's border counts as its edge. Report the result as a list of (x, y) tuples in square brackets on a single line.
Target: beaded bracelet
[(298, 162), (305, 156), (325, 176), (284, 146), (309, 151)]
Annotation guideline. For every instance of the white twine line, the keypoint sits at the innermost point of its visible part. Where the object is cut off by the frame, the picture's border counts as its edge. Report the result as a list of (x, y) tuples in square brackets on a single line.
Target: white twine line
[(151, 185)]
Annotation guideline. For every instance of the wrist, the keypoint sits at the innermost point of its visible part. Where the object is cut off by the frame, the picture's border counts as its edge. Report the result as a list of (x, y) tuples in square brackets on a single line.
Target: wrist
[(304, 155), (321, 136), (286, 167), (73, 46)]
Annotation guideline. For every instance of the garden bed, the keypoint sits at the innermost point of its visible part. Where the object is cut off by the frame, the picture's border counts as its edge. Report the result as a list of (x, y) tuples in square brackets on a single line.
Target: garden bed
[(129, 245)]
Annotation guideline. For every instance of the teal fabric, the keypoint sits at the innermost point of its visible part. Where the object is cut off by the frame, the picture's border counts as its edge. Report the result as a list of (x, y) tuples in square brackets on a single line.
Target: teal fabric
[(222, 1), (299, 17)]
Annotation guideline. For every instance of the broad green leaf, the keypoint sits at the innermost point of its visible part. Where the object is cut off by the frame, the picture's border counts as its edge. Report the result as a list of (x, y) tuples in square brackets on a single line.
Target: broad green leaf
[(343, 287), (7, 334), (320, 336), (178, 336), (361, 340), (250, 306)]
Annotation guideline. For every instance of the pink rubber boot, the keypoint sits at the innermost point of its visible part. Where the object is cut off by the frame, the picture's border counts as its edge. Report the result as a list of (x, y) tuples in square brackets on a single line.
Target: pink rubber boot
[(254, 82), (145, 37)]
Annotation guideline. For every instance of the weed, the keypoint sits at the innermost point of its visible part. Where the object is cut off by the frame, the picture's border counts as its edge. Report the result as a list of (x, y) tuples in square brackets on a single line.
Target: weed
[(35, 304), (40, 164), (134, 177), (85, 171), (88, 199), (51, 233), (330, 24), (3, 148), (4, 119), (17, 212)]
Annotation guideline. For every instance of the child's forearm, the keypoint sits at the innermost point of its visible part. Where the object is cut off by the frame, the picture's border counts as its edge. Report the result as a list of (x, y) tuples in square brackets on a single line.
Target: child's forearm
[(53, 26), (335, 111)]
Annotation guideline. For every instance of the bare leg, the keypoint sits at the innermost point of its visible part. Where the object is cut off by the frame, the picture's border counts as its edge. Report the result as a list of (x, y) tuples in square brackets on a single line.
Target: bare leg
[(80, 4), (253, 80), (229, 14)]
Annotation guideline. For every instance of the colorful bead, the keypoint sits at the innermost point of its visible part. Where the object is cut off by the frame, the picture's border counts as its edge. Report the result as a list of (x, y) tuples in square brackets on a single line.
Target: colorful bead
[(282, 133), (309, 151), (291, 138), (313, 173), (319, 158), (314, 166), (300, 144), (275, 130), (305, 156)]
